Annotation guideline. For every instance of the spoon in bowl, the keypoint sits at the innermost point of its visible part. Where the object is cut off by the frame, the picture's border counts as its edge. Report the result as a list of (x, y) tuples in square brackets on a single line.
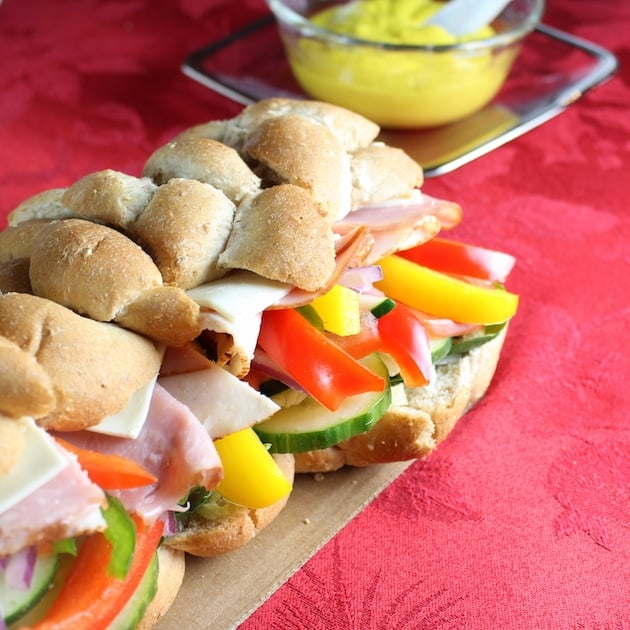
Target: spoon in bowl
[(460, 17)]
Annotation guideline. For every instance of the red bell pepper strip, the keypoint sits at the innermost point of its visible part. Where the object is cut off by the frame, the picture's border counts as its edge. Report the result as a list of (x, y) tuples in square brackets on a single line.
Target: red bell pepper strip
[(406, 340), (91, 597), (110, 472), (326, 372), (399, 333), (365, 342), (461, 259)]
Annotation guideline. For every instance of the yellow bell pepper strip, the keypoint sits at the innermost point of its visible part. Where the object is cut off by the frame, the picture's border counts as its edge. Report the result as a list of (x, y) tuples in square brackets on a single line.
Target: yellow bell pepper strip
[(461, 259), (91, 597), (316, 363), (442, 295), (251, 477), (406, 341), (339, 310)]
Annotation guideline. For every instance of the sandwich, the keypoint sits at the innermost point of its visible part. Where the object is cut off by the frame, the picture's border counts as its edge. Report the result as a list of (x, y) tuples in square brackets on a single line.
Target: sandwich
[(271, 296)]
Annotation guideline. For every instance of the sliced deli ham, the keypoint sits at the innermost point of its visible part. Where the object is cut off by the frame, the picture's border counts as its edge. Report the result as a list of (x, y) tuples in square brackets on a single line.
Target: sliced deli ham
[(401, 224), (173, 445), (67, 505), (367, 234)]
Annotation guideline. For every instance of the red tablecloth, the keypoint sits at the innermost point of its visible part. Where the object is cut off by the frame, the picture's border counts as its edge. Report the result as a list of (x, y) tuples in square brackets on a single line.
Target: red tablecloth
[(522, 518)]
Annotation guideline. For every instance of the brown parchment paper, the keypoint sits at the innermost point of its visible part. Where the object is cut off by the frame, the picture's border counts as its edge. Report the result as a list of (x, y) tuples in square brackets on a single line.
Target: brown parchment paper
[(220, 593)]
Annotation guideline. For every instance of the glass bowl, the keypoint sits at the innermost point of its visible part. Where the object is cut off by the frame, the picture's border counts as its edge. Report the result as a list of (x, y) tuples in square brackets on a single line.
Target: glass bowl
[(401, 85)]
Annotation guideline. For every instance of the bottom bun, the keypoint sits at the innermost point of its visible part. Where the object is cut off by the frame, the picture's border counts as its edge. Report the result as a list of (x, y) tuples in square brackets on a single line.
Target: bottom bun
[(414, 430), (230, 526), (172, 564)]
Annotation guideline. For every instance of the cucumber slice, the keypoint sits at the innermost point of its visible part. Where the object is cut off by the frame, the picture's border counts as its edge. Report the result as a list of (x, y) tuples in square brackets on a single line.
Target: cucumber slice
[(310, 426), (383, 307), (440, 348), (129, 617), (17, 602), (469, 342)]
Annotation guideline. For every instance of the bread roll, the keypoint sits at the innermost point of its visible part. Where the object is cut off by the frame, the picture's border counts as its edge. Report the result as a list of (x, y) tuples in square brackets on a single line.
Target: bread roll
[(213, 129), (184, 228), (26, 389), (94, 367), (328, 150), (282, 234), (44, 205), (231, 526), (204, 160), (90, 268), (97, 271), (296, 150), (352, 129), (109, 197), (14, 276), (21, 240)]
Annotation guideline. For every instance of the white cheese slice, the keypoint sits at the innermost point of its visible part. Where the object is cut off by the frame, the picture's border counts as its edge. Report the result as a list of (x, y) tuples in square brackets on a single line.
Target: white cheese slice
[(239, 293), (223, 403), (128, 422), (40, 461), (399, 396)]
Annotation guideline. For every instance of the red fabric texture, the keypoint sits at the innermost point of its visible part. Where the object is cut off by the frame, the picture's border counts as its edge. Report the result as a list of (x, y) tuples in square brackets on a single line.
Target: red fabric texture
[(521, 519)]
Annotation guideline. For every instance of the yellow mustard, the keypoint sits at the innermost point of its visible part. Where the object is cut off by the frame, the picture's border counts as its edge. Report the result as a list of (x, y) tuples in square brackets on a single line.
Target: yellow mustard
[(397, 88)]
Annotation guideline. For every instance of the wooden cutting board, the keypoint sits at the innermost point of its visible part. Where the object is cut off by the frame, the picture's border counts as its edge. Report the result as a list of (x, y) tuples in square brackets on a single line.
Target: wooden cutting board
[(222, 592)]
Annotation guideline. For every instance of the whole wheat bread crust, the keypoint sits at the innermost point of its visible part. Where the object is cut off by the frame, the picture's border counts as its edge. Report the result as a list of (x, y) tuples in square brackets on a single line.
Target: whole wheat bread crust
[(83, 393), (233, 526)]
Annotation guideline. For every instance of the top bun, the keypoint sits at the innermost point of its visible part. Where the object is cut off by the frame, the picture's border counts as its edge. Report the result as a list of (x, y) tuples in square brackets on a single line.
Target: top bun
[(82, 358), (26, 389), (202, 206)]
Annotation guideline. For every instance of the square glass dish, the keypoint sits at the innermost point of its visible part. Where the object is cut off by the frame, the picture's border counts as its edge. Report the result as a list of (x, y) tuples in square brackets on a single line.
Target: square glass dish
[(553, 70)]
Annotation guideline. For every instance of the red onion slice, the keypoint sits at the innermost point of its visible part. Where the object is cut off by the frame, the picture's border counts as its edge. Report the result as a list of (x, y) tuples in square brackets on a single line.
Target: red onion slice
[(19, 568)]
